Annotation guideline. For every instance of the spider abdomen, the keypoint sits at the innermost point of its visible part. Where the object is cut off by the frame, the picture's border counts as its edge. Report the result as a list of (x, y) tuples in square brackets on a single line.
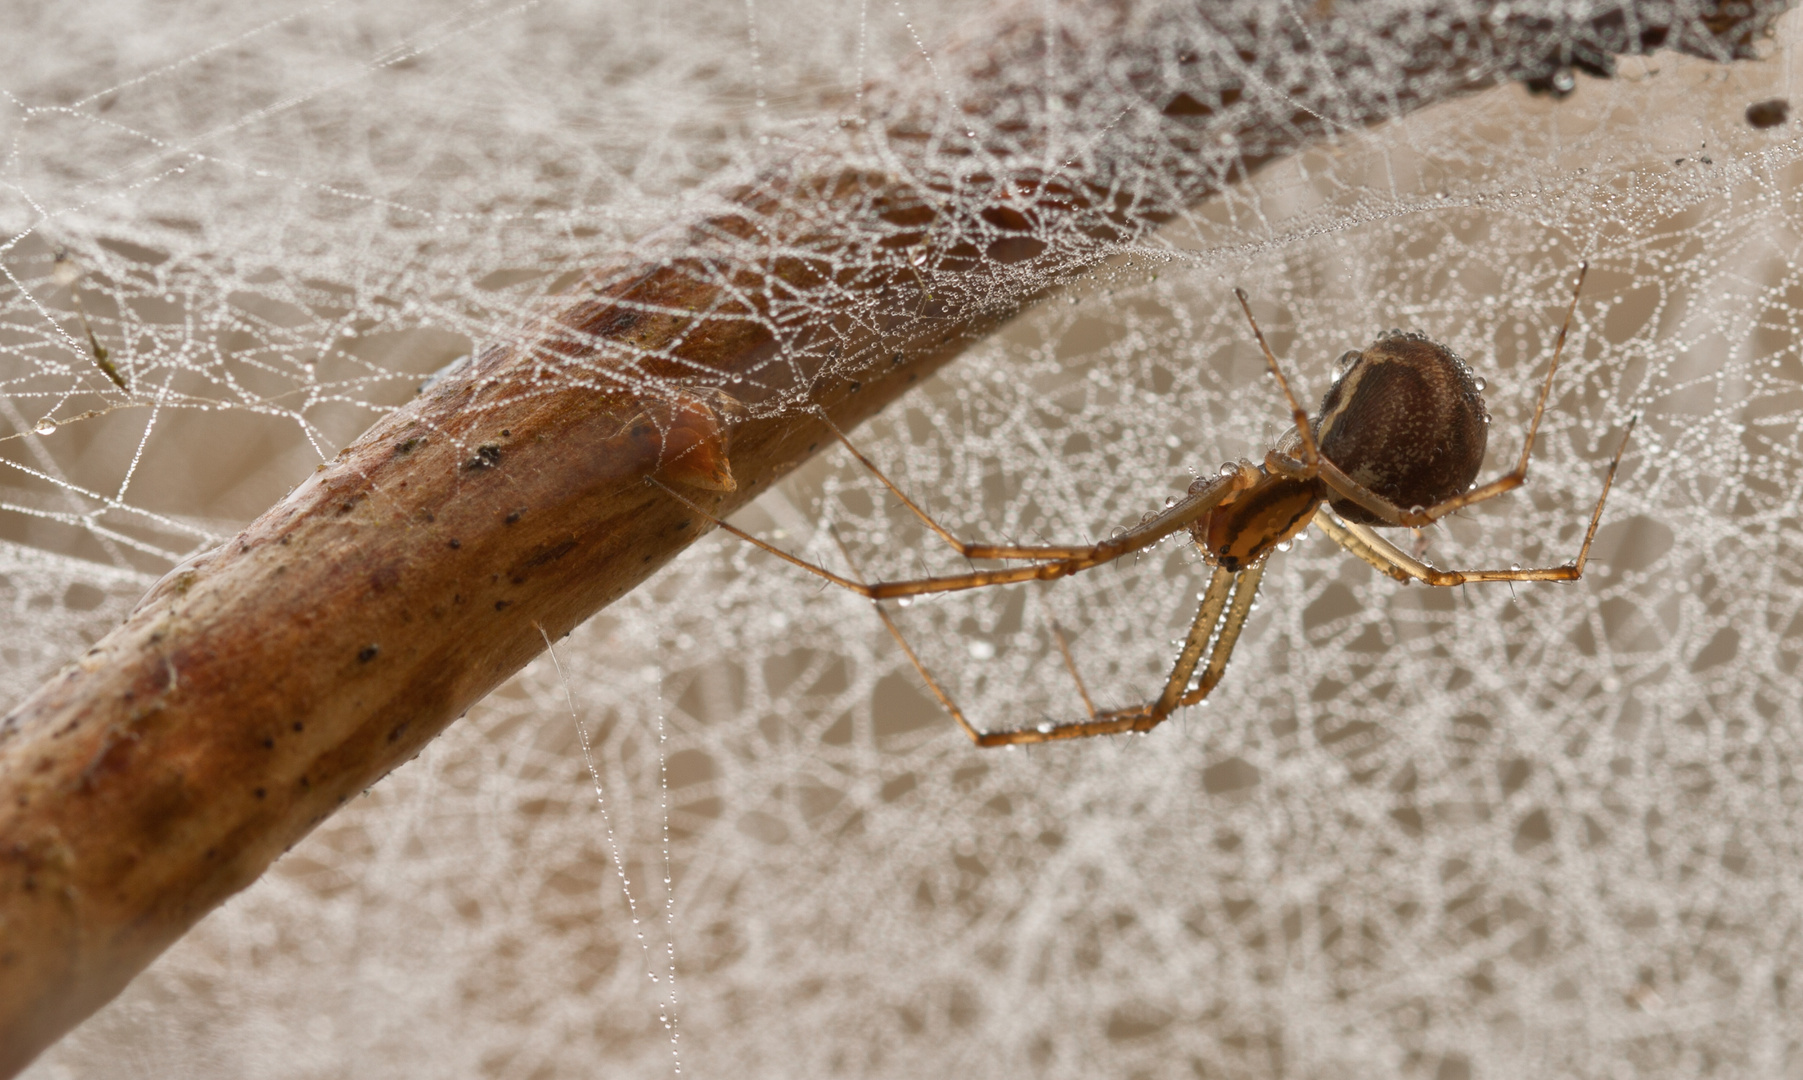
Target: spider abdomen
[(1406, 420)]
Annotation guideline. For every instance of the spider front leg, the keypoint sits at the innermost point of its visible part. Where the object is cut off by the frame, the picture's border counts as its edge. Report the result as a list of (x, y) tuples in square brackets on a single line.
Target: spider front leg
[(1241, 587)]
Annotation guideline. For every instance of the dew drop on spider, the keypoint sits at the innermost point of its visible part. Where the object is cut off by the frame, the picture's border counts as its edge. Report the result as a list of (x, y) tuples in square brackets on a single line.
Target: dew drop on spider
[(1480, 384)]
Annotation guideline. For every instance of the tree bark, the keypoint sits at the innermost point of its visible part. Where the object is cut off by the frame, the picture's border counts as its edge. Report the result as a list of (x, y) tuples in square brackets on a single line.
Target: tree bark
[(260, 686)]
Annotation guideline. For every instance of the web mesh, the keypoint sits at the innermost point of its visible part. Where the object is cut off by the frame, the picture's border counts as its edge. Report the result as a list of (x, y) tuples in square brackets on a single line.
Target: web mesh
[(1490, 831)]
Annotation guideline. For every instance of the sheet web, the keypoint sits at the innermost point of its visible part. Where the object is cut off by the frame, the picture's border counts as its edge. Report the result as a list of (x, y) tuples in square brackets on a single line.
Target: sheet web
[(1547, 830)]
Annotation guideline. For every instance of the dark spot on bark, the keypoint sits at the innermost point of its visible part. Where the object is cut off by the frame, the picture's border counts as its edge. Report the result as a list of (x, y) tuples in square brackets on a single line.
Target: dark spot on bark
[(367, 653), (488, 455), (513, 517), (305, 784), (398, 730), (260, 793), (456, 543), (298, 726), (856, 386), (407, 446), (551, 554), (284, 540), (268, 743), (506, 434), (500, 604)]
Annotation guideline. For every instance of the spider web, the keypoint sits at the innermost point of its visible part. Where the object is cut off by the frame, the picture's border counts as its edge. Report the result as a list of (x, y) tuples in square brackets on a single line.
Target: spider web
[(1490, 831)]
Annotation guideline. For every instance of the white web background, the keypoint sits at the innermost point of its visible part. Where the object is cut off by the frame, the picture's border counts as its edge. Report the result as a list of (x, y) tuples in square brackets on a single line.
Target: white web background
[(1482, 832)]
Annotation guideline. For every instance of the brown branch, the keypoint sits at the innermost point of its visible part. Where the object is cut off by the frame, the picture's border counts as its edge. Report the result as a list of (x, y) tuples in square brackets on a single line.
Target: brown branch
[(259, 687)]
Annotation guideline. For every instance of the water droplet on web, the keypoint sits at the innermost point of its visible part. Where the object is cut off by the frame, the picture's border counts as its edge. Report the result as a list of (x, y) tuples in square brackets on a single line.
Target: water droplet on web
[(981, 650), (46, 426), (1170, 501), (906, 601), (1563, 81), (920, 259), (1045, 728), (1610, 684), (1172, 441)]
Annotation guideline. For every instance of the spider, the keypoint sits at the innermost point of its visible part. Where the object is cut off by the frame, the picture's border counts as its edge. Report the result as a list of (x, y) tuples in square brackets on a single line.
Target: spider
[(1398, 441)]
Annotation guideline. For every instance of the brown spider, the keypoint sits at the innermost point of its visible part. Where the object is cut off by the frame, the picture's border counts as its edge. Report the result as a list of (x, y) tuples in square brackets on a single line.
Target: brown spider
[(1398, 442)]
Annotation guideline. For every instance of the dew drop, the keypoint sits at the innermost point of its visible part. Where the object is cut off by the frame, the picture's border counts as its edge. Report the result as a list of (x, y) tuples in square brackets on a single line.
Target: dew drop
[(920, 259), (1229, 469), (46, 426), (1479, 384), (982, 650), (1170, 501), (1045, 728), (906, 601), (1610, 684), (1417, 509), (1563, 81)]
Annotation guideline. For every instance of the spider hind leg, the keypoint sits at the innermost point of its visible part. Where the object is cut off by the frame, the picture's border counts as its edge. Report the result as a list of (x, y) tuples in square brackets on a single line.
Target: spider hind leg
[(1212, 635)]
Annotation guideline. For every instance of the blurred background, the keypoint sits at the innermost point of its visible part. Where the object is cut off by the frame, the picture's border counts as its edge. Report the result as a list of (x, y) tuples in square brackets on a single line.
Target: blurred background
[(1520, 831)]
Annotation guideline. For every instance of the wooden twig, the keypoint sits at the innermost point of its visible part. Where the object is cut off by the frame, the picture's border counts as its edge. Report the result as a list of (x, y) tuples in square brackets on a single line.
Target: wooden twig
[(261, 686)]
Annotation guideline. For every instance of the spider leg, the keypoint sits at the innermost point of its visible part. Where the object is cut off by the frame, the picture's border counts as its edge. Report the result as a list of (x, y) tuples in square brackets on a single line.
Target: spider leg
[(1310, 454), (1115, 721), (1349, 488), (1070, 665), (1148, 532), (1245, 591), (1364, 542), (964, 548)]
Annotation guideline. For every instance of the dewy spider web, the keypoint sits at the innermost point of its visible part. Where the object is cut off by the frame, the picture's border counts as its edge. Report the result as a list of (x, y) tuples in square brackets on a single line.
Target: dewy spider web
[(1441, 833)]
